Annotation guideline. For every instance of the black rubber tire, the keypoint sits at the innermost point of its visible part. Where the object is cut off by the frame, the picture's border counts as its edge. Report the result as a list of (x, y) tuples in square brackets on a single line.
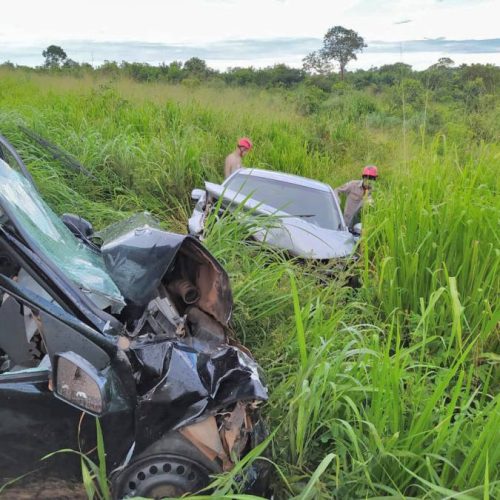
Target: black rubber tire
[(139, 479), (160, 476)]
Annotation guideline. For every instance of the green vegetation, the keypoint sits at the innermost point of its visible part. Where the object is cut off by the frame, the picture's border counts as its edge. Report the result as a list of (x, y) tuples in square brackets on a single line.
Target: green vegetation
[(339, 44), (390, 390)]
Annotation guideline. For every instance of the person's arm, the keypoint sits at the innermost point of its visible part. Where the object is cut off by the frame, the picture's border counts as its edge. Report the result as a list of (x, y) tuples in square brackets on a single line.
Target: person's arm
[(344, 189)]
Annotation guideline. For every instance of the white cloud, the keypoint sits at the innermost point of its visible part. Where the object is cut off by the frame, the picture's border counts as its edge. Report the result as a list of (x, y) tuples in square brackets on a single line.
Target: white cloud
[(192, 22), (167, 21), (453, 19), (208, 20)]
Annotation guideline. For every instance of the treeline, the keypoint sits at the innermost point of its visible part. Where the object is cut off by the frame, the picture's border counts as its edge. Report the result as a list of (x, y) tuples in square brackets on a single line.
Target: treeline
[(443, 77), (195, 70)]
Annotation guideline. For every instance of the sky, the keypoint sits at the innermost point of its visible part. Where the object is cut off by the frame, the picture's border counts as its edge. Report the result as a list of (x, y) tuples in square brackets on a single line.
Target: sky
[(229, 33)]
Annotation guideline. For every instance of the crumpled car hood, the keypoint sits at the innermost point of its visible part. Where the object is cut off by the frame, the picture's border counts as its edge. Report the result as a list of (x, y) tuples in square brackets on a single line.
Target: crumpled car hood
[(138, 255), (294, 234), (192, 383)]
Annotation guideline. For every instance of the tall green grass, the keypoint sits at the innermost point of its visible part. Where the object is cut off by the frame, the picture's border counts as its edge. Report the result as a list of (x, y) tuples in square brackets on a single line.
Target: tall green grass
[(438, 229), (390, 390)]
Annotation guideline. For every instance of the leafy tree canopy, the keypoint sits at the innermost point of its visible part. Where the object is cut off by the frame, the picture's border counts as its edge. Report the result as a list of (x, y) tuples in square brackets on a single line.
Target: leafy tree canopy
[(316, 63), (341, 44), (196, 66), (54, 56)]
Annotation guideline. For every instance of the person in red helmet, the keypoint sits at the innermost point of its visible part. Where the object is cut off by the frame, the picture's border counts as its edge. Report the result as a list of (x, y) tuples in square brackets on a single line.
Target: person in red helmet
[(233, 160), (357, 193)]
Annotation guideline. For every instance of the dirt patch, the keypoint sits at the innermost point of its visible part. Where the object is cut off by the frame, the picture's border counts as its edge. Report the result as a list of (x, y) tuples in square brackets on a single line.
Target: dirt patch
[(51, 489)]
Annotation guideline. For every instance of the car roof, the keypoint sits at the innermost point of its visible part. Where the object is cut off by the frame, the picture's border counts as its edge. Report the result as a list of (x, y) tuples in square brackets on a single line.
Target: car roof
[(280, 176)]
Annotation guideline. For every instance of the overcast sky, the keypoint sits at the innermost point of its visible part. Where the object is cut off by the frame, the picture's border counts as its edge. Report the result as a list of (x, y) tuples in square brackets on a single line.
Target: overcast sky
[(252, 32)]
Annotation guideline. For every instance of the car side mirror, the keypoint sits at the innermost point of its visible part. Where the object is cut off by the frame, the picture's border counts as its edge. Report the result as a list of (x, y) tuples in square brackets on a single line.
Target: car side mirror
[(79, 383), (356, 230), (196, 194)]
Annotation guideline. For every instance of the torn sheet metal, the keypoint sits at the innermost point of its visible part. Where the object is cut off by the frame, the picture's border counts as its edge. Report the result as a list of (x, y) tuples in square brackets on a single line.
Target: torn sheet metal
[(235, 429), (139, 257), (205, 436), (192, 384), (224, 438)]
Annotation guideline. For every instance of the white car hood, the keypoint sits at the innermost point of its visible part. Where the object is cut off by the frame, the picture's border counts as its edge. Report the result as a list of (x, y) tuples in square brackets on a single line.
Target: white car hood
[(294, 234)]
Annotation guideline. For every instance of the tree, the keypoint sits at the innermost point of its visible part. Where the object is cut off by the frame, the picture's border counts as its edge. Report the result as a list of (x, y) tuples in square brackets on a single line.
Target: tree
[(110, 68), (7, 65), (174, 71), (315, 63), (70, 64), (341, 44), (473, 91), (439, 77), (54, 56), (196, 66), (488, 73), (240, 76), (445, 62), (392, 74), (280, 74)]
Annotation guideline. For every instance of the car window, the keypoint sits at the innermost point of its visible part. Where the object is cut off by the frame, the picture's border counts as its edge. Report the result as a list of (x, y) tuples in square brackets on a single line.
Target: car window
[(314, 205), (46, 234)]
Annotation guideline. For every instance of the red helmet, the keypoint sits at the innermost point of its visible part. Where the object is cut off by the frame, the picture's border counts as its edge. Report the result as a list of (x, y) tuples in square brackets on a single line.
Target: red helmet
[(245, 142), (370, 171)]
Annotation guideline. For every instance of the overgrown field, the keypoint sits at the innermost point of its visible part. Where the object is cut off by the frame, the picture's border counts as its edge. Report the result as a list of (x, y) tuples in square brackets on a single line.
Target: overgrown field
[(390, 390)]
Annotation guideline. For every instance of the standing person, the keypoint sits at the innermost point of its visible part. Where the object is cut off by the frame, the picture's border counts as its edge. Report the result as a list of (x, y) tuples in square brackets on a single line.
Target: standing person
[(357, 192), (233, 160)]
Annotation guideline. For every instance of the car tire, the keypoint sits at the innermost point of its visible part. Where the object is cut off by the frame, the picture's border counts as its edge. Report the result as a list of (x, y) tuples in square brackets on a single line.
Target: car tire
[(161, 476), (173, 466), (170, 467)]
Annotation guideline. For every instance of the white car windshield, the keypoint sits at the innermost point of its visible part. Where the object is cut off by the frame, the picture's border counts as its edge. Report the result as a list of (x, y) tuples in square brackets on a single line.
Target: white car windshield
[(314, 205)]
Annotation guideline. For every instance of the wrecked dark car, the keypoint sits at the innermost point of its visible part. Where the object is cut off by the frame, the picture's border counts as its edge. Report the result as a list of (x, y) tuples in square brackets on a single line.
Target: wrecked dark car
[(130, 325)]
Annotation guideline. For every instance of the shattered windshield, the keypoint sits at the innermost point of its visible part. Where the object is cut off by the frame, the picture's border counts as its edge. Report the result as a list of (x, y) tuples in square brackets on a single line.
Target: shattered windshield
[(314, 205), (45, 233)]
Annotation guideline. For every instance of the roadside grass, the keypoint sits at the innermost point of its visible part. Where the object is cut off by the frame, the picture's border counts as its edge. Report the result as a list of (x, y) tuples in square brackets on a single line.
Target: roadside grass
[(405, 414), (389, 390)]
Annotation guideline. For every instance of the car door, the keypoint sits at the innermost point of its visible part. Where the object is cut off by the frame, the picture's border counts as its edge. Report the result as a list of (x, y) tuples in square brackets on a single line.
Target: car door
[(33, 420), (34, 423)]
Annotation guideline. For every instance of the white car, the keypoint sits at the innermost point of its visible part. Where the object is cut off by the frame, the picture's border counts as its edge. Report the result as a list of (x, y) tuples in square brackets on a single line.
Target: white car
[(307, 220)]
